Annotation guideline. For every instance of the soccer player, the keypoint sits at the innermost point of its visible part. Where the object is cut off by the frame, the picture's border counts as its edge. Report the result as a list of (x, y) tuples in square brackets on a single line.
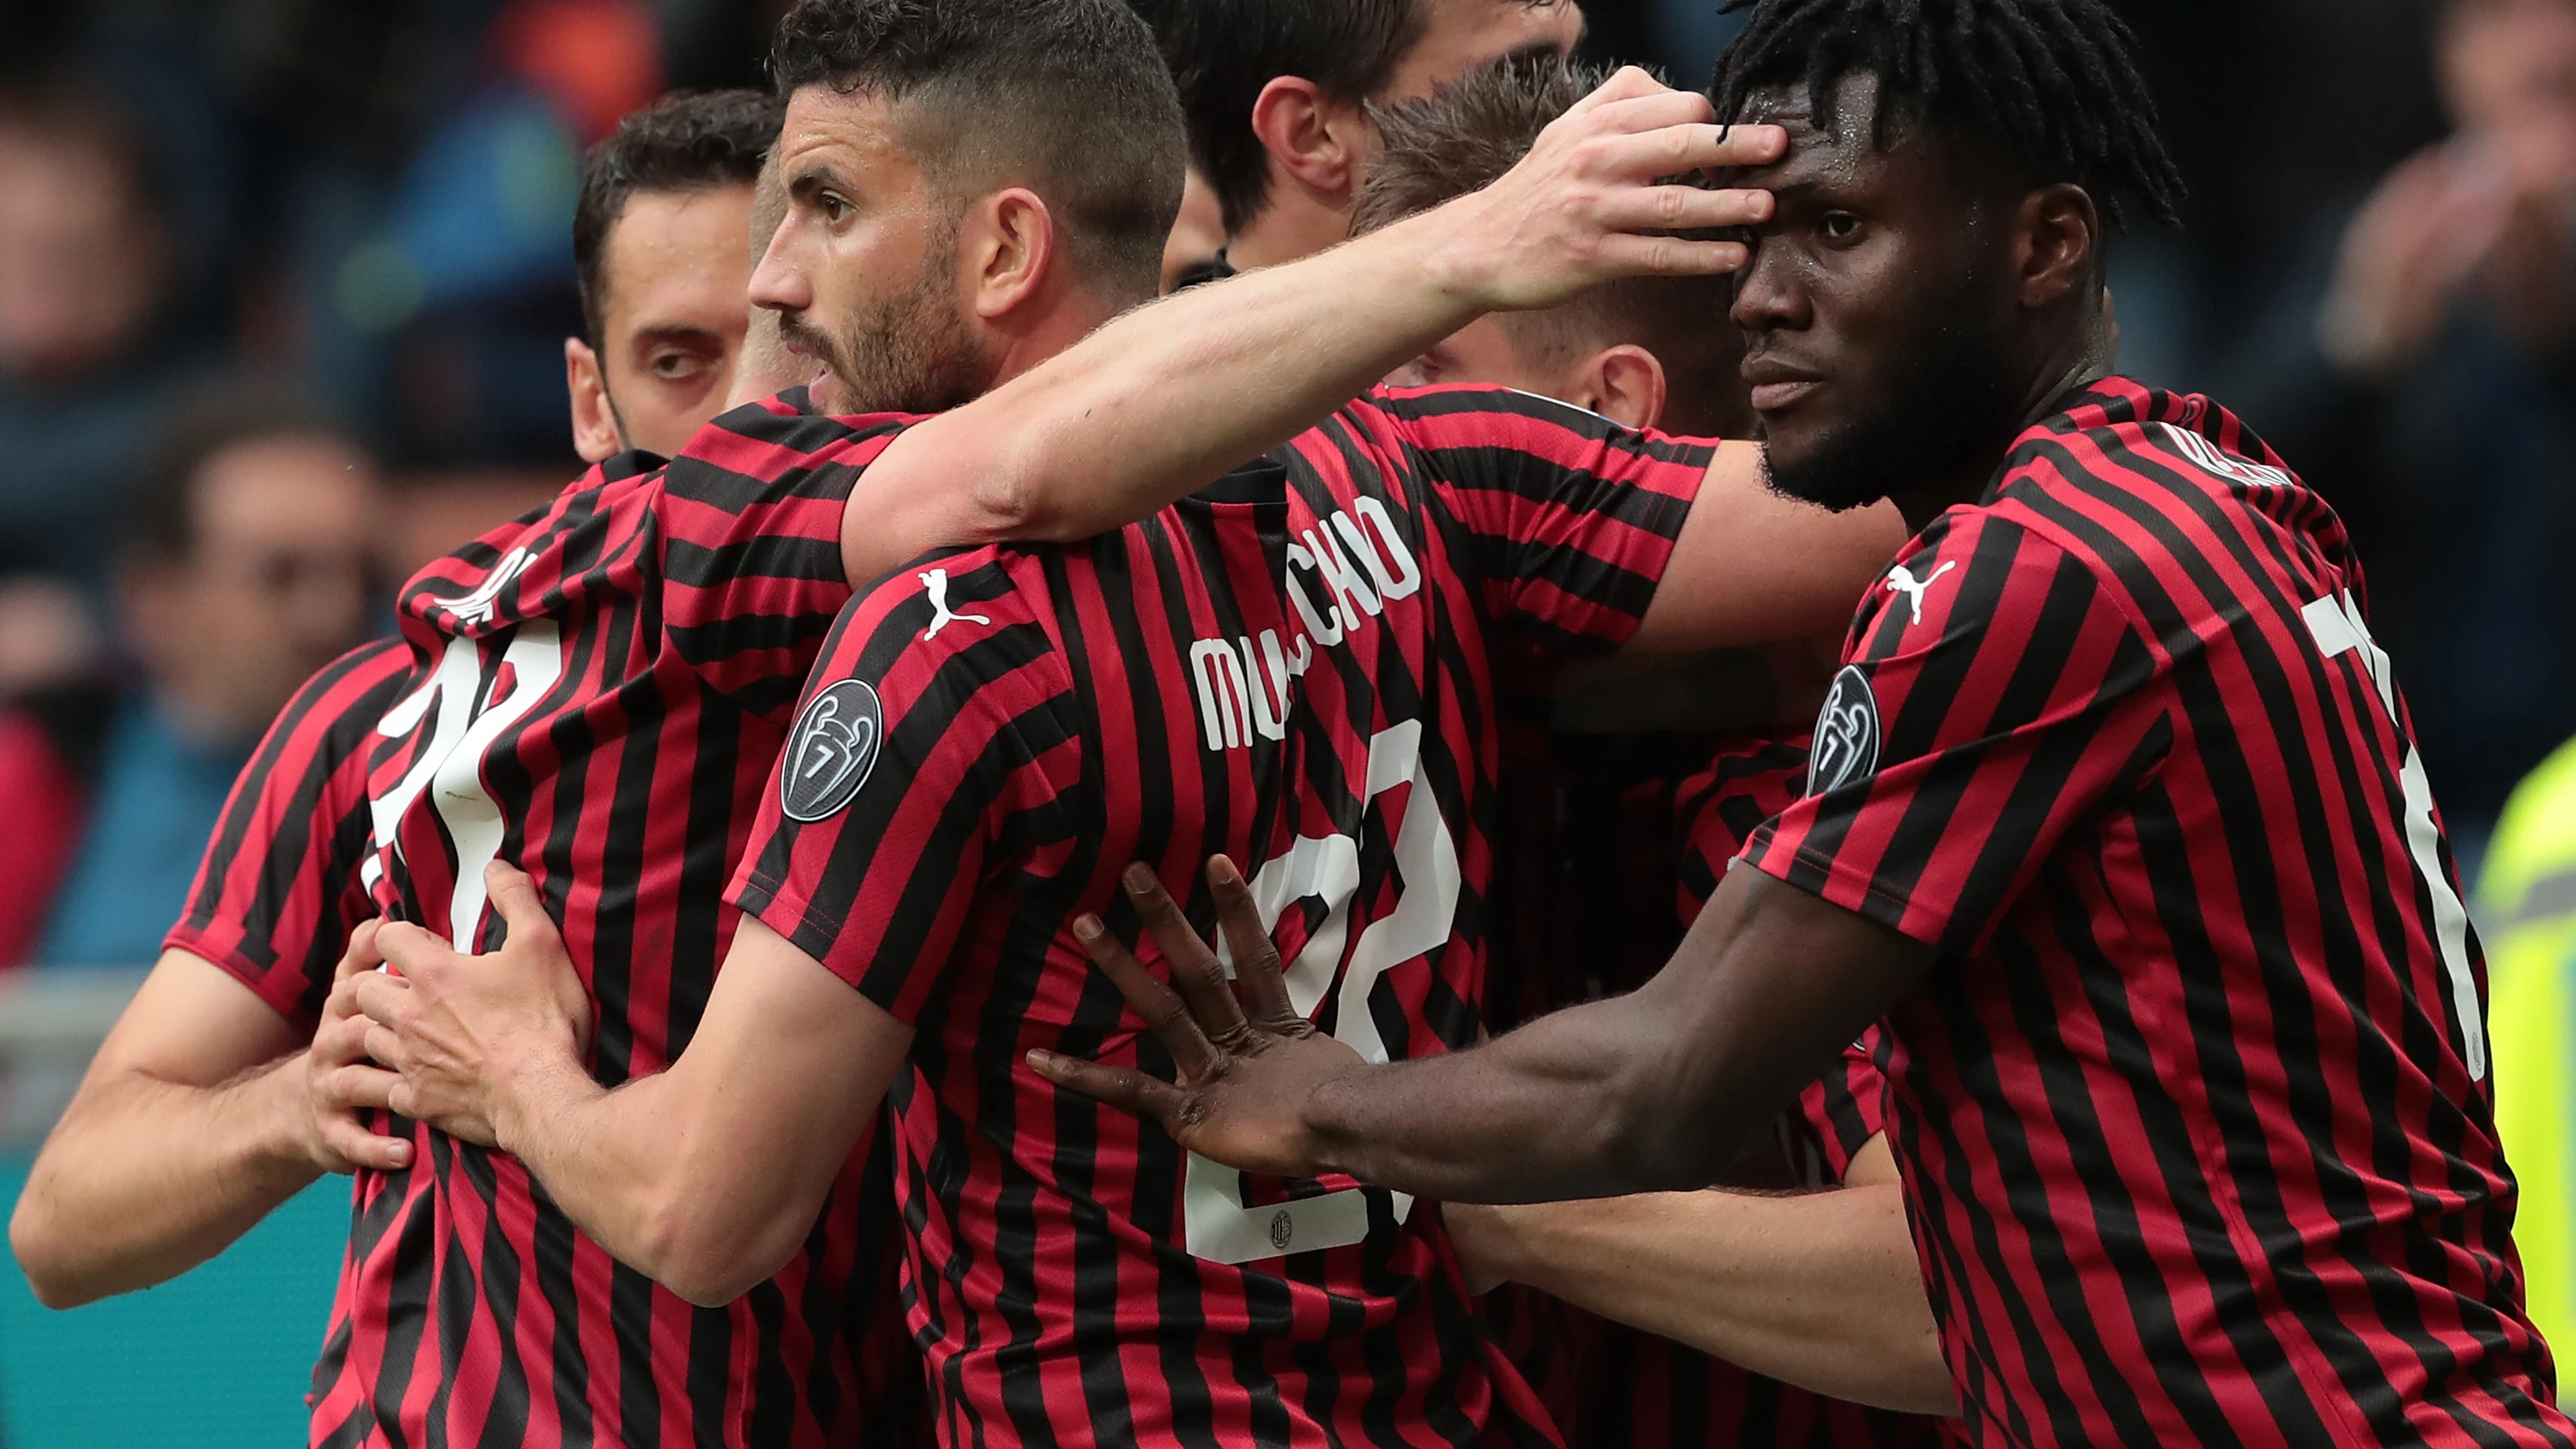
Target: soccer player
[(1819, 1289), (657, 244), (2113, 814), (994, 732), (600, 688), (238, 1075), (1278, 94)]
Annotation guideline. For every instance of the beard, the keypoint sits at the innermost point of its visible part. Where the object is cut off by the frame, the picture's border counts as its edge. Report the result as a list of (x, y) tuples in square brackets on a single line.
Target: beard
[(909, 352), (1944, 393)]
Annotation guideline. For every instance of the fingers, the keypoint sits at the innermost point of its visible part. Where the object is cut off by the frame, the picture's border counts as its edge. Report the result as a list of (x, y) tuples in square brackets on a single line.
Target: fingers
[(356, 1088), (353, 1143), (342, 1037), (1256, 959), (382, 998), (1627, 84), (1165, 1013), (361, 954), (387, 1049), (1133, 1091), (411, 950), (1670, 256), (1196, 972), (522, 906)]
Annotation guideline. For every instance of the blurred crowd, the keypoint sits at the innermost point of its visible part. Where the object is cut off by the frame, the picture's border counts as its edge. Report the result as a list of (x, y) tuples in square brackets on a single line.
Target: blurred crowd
[(285, 287)]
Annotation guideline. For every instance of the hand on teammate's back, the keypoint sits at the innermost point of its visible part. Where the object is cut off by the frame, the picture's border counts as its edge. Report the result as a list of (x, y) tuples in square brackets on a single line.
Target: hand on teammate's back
[(1588, 203), (456, 1027), (1248, 1059)]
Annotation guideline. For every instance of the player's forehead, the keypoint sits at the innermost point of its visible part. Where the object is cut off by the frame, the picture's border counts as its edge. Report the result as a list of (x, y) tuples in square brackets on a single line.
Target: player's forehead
[(849, 139), (678, 257), (1842, 149)]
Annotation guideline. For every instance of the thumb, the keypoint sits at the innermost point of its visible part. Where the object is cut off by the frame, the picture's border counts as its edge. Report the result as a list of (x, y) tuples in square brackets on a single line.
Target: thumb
[(514, 894)]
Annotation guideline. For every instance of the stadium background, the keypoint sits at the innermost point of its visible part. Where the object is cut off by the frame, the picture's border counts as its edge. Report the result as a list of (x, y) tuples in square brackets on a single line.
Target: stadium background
[(371, 202)]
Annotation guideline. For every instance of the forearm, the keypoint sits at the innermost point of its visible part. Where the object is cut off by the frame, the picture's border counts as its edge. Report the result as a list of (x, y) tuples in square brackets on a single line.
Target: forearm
[(1820, 1290), (1170, 396), (1560, 1108), (144, 1179), (630, 1168)]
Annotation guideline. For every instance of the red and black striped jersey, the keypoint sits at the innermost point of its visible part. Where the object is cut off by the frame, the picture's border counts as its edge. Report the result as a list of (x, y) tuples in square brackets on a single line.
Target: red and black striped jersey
[(2191, 1110), (1610, 1384), (600, 689), (277, 893), (1293, 669)]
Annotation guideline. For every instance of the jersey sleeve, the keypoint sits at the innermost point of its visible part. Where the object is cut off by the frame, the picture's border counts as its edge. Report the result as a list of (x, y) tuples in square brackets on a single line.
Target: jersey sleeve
[(278, 891), (930, 744), (1570, 517), (1848, 1106), (751, 545), (1993, 694), (1750, 779)]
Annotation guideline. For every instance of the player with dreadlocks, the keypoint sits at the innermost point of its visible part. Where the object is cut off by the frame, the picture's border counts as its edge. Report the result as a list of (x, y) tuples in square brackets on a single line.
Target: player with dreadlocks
[(2114, 817)]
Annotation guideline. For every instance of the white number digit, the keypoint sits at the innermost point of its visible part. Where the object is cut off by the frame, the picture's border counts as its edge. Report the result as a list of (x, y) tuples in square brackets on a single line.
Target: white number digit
[(450, 766), (1219, 1227), (2338, 627)]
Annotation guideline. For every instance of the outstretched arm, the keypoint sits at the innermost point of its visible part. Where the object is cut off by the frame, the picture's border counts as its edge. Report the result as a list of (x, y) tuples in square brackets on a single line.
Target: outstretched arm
[(1820, 1289), (704, 1177), (202, 1112), (1654, 1091), (1175, 393)]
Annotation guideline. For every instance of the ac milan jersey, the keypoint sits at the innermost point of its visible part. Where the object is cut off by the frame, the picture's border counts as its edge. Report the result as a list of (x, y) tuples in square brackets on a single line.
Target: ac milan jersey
[(1610, 1384), (277, 893), (2192, 1109), (1292, 670), (600, 690)]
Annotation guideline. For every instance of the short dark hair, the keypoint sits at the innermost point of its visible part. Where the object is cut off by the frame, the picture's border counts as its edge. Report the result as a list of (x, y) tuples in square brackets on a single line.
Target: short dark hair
[(680, 143), (2053, 85), (1223, 52), (158, 523), (1462, 138), (1070, 96)]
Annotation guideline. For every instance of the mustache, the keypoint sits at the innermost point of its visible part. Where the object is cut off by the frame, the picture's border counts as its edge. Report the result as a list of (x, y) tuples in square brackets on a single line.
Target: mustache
[(808, 339)]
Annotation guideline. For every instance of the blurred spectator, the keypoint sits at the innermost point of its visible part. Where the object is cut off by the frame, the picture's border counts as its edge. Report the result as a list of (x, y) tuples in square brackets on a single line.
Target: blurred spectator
[(2422, 376), (83, 259), (244, 567)]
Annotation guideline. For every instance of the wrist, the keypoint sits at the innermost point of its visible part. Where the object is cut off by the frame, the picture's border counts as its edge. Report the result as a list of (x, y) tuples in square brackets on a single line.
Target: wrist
[(291, 1146), (529, 1092)]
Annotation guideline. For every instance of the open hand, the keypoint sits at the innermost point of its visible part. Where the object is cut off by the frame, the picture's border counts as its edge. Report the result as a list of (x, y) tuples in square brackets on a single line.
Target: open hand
[(1248, 1060), (1594, 201), (341, 1081), (462, 1030)]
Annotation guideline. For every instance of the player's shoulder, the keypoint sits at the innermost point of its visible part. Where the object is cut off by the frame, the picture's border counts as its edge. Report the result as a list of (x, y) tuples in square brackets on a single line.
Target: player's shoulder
[(349, 696), (2124, 468), (981, 611), (778, 446), (1467, 415)]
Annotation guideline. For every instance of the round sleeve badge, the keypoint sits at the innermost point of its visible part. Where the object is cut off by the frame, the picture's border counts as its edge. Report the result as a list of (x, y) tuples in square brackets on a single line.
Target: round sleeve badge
[(1846, 748), (831, 751)]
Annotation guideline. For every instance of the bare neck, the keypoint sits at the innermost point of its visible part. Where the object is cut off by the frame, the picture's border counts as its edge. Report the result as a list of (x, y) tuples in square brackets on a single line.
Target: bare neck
[(1295, 225)]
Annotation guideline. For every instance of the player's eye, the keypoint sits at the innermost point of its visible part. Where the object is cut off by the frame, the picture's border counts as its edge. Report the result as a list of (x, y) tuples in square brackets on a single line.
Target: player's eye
[(1839, 228), (834, 209), (676, 366)]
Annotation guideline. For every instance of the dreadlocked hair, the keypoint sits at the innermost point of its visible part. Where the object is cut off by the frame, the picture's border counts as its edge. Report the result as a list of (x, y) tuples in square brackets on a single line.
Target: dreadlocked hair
[(2053, 81)]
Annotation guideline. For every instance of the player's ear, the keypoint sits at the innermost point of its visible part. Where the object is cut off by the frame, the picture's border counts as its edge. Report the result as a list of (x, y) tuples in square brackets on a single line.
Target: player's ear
[(1009, 247), (2057, 239), (594, 422), (1625, 384), (1313, 140)]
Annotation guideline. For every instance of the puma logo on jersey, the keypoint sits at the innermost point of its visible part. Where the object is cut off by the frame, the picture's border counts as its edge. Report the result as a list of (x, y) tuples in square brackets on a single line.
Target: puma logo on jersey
[(1901, 580), (935, 585)]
